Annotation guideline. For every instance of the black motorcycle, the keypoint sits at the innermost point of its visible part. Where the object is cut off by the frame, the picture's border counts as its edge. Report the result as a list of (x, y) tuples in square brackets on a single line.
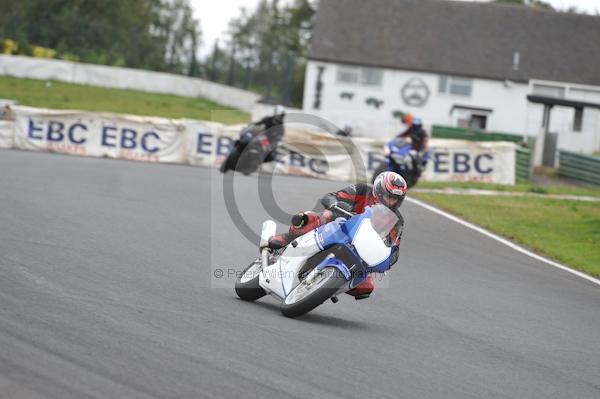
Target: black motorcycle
[(249, 151)]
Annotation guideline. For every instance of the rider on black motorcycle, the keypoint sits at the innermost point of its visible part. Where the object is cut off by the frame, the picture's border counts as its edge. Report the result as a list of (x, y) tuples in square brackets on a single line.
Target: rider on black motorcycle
[(389, 189), (257, 144), (273, 129)]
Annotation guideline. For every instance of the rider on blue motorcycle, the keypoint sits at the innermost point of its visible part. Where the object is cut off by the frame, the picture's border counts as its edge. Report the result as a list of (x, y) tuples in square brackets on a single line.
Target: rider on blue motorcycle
[(418, 139), (388, 189)]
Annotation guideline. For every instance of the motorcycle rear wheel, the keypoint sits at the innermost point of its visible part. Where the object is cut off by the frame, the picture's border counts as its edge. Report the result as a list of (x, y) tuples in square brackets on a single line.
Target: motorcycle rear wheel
[(230, 162)]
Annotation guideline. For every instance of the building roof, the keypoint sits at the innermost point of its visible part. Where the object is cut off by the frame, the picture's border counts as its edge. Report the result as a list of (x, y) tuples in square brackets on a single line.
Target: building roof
[(460, 38)]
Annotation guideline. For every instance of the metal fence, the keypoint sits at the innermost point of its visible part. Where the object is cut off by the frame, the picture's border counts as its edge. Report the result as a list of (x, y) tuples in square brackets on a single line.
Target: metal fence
[(583, 168), (522, 164), (446, 132)]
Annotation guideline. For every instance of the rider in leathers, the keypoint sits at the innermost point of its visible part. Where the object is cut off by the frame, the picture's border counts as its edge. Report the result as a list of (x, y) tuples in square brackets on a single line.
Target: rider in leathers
[(419, 142), (389, 189), (274, 130)]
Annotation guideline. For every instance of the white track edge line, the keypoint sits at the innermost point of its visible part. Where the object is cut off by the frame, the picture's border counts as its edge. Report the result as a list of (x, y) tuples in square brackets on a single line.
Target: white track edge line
[(503, 240)]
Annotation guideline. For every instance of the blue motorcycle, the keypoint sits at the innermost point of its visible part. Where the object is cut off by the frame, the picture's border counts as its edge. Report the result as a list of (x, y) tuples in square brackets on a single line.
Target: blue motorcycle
[(322, 263), (400, 157)]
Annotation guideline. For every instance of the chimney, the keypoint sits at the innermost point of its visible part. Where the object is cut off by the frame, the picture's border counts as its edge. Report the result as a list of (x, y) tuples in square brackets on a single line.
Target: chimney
[(516, 60)]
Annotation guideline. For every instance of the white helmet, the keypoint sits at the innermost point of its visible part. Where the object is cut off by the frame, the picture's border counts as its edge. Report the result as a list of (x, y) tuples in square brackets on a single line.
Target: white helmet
[(279, 110)]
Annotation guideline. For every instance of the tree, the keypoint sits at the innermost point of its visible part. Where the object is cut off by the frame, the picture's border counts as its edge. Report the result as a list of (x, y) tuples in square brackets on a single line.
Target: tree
[(267, 48), (179, 32), (153, 34)]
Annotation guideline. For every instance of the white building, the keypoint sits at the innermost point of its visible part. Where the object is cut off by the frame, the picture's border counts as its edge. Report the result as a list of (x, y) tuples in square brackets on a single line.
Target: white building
[(460, 64)]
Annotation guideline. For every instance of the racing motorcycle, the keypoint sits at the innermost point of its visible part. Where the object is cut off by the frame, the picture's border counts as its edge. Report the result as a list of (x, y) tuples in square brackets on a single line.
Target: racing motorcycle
[(402, 158), (322, 263), (248, 152)]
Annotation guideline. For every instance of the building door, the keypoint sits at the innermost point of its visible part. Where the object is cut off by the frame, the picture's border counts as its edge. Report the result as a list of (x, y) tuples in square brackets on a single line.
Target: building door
[(549, 155)]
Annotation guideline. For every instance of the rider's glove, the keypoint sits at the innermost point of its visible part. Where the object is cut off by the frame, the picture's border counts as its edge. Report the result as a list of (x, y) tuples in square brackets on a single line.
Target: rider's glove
[(299, 220), (342, 205)]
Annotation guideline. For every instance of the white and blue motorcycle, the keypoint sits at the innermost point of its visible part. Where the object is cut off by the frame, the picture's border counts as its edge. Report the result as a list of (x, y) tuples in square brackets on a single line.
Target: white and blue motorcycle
[(320, 264)]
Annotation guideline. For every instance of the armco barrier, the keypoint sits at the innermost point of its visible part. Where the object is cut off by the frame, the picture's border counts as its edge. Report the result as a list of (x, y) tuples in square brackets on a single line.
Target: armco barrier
[(583, 168), (446, 132), (522, 167)]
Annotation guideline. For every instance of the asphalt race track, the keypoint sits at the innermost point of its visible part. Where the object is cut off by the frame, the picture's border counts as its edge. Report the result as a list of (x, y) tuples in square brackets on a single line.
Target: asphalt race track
[(110, 288)]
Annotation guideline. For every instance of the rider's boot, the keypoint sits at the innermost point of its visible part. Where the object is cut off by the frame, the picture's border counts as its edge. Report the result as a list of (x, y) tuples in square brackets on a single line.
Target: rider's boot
[(302, 223), (363, 290), (279, 241)]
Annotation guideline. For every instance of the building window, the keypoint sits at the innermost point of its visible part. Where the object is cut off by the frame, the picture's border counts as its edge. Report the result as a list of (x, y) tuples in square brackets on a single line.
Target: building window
[(347, 75), (478, 122), (549, 91), (472, 122), (371, 76), (442, 84), (470, 117), (456, 86), (590, 96), (578, 120), (365, 76)]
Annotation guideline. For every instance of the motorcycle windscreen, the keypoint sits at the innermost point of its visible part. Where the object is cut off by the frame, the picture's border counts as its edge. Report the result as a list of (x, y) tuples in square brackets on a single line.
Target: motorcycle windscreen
[(398, 143), (371, 236)]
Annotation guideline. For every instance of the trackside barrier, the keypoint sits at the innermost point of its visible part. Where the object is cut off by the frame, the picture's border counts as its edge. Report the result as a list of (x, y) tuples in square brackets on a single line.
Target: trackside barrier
[(305, 150), (522, 167), (448, 132), (583, 168), (6, 134)]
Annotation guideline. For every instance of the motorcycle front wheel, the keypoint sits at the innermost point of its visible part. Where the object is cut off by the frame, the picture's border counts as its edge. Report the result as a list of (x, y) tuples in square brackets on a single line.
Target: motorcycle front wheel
[(230, 162), (315, 289)]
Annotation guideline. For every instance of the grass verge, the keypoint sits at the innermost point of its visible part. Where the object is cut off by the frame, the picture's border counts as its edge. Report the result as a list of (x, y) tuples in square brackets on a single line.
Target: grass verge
[(59, 95), (520, 188), (568, 231)]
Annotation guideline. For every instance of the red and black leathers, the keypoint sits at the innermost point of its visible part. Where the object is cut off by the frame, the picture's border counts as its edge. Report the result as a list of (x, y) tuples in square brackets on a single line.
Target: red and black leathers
[(353, 198), (418, 137)]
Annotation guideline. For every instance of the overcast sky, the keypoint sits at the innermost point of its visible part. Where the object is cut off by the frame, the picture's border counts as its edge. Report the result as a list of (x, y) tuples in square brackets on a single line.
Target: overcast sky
[(214, 15)]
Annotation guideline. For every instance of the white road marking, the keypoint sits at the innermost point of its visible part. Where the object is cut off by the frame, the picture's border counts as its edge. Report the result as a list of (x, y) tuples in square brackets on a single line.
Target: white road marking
[(503, 240)]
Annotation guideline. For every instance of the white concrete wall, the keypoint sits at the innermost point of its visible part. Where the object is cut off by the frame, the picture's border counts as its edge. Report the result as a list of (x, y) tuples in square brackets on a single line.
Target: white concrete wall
[(126, 78)]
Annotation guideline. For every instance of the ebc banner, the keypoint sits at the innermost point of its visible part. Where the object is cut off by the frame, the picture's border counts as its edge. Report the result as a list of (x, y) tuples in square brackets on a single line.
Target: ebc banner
[(100, 135)]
